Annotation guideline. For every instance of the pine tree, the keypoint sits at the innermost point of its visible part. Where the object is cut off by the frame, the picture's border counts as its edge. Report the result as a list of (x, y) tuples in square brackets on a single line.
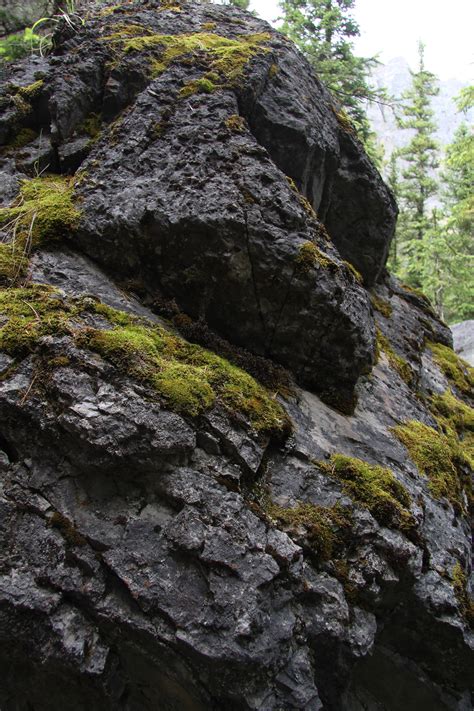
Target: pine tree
[(324, 30), (457, 243), (418, 184)]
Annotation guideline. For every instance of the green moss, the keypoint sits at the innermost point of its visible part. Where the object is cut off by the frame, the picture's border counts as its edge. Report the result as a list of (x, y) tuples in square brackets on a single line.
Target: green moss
[(92, 126), (22, 106), (427, 305), (227, 57), (32, 312), (382, 306), (208, 26), (460, 373), (375, 488), (13, 264), (326, 529), (310, 257), (355, 273), (344, 120), (202, 86), (235, 123), (29, 92), (304, 202), (43, 211), (273, 71), (22, 138), (187, 377), (456, 421), (397, 362), (436, 458), (466, 604)]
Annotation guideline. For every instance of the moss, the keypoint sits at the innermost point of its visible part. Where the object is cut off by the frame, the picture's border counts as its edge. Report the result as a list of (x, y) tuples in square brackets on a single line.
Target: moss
[(465, 602), (310, 257), (235, 123), (43, 211), (208, 26), (22, 106), (375, 488), (13, 264), (304, 202), (31, 91), (273, 71), (22, 138), (187, 377), (32, 312), (421, 300), (202, 86), (67, 529), (92, 126), (227, 57), (382, 306), (344, 120), (434, 455), (397, 362), (354, 272), (327, 529), (460, 373), (456, 421)]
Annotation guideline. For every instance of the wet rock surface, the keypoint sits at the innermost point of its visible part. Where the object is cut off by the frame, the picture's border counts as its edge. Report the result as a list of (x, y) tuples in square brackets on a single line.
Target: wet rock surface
[(158, 558)]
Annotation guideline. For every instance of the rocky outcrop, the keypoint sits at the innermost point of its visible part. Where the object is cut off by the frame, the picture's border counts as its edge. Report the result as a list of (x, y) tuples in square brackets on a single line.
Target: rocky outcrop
[(278, 522), (463, 337)]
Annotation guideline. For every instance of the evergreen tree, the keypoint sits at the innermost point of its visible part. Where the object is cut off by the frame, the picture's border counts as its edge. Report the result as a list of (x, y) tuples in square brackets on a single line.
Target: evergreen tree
[(324, 30), (418, 184), (455, 242)]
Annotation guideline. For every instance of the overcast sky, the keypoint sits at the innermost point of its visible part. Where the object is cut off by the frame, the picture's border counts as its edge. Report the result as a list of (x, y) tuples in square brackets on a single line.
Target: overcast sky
[(392, 28)]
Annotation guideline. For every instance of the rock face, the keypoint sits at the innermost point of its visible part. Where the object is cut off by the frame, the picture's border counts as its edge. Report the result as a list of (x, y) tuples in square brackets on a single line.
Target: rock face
[(463, 337), (174, 533)]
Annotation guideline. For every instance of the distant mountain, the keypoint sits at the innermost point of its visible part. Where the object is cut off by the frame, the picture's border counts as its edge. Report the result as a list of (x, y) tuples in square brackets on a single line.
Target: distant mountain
[(395, 76)]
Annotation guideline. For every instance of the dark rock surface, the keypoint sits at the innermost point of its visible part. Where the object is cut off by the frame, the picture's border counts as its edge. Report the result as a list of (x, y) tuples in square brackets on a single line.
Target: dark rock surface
[(145, 559)]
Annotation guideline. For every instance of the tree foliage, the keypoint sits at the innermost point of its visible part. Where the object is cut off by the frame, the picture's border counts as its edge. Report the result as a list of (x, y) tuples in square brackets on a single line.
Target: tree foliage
[(324, 30)]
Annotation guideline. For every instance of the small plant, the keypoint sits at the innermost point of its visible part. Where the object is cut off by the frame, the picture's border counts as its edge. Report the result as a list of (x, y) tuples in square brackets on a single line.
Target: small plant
[(19, 44)]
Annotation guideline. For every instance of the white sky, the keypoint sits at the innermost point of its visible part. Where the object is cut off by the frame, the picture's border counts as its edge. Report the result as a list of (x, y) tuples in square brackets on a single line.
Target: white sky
[(392, 28)]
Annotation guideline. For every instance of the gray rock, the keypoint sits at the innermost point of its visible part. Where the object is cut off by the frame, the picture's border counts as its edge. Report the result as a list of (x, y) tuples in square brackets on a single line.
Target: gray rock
[(463, 336), (147, 558)]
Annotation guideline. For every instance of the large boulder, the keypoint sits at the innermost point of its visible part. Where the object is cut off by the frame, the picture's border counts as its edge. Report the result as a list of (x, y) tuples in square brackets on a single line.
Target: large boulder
[(183, 528)]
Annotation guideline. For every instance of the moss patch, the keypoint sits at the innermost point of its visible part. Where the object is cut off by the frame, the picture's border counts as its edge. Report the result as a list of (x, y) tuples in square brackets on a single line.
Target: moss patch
[(304, 202), (13, 264), (466, 604), (397, 362), (22, 138), (375, 488), (382, 306), (198, 86), (326, 529), (235, 123), (227, 57), (44, 210), (91, 126), (33, 312), (188, 378), (311, 257), (436, 458), (353, 271), (460, 373), (29, 92)]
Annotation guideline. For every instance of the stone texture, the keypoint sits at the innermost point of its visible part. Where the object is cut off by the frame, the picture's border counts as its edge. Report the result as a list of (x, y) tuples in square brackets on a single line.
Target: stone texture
[(141, 567)]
